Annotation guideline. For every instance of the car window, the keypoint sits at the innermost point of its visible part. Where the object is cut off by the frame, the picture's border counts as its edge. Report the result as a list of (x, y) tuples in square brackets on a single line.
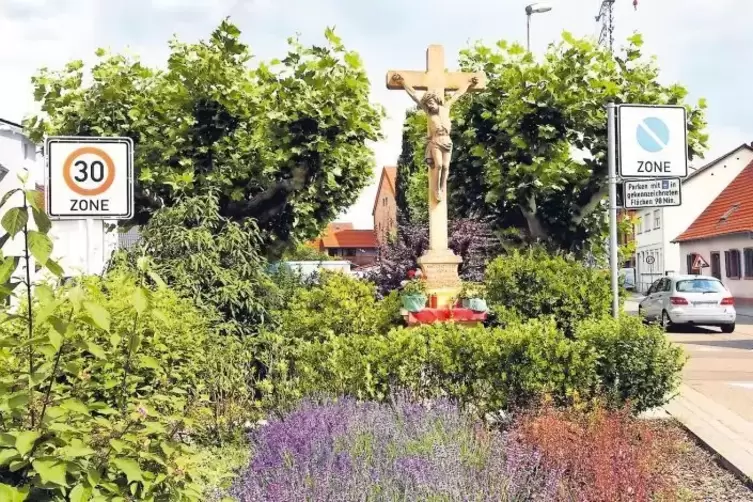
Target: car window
[(667, 286), (654, 287), (700, 286)]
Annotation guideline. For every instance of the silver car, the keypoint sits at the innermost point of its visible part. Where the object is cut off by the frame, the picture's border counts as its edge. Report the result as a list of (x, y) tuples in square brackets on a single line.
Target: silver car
[(689, 299)]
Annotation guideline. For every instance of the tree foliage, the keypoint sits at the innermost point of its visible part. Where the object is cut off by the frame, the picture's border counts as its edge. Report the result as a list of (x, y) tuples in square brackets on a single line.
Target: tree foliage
[(531, 150), (283, 143), (211, 259)]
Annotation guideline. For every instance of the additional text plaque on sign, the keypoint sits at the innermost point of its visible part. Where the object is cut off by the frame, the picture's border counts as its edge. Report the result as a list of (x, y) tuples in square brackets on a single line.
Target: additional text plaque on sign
[(89, 178), (653, 193), (652, 141)]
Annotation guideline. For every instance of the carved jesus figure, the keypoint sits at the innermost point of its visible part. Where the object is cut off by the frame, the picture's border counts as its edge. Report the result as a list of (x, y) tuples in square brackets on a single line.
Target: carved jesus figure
[(439, 143)]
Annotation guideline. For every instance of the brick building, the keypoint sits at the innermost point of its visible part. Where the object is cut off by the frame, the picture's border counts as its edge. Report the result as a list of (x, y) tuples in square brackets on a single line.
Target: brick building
[(385, 205), (343, 242)]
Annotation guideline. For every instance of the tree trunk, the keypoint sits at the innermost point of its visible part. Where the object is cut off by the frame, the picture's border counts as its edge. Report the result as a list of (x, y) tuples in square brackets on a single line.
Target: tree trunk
[(535, 226)]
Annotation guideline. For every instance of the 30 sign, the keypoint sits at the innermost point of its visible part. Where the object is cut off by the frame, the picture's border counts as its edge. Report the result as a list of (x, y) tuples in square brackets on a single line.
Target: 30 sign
[(89, 178)]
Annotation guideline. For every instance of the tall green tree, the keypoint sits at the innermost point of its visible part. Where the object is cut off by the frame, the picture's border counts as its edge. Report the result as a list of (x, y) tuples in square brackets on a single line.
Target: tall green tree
[(531, 150), (283, 143)]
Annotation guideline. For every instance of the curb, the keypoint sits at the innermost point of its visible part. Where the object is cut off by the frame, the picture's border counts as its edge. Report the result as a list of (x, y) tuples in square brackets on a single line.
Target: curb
[(724, 433)]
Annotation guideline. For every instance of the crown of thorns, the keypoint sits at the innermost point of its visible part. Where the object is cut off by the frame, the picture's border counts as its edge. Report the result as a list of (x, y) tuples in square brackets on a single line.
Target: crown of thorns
[(431, 95)]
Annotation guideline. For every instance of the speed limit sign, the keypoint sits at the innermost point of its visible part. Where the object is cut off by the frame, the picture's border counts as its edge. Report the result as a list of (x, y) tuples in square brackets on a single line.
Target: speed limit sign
[(89, 178)]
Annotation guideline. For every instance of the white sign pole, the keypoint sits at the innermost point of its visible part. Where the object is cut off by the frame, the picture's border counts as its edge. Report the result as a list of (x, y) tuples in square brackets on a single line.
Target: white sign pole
[(612, 165)]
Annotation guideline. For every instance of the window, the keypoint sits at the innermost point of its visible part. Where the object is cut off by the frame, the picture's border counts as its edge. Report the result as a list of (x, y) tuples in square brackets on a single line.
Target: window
[(732, 263), (657, 219), (639, 225), (384, 201), (748, 255), (700, 286), (666, 285), (654, 287), (716, 265)]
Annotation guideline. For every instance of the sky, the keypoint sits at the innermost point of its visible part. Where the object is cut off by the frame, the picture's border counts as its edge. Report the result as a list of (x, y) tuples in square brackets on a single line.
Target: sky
[(703, 44)]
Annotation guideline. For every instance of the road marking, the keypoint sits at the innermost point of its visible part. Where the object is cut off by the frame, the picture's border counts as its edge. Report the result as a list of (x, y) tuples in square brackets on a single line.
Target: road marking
[(744, 385), (703, 348)]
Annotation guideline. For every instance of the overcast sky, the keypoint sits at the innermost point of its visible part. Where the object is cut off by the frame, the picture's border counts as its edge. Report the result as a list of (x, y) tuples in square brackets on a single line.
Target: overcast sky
[(703, 44)]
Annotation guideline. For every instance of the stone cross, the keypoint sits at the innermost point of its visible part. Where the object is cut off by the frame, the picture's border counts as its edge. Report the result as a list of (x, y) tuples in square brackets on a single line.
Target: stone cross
[(439, 263)]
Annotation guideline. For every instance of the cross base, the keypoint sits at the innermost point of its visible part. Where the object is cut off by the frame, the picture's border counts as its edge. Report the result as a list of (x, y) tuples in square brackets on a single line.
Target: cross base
[(440, 269)]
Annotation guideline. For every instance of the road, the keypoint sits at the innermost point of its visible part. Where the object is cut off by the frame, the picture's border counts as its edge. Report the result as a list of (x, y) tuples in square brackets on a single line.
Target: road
[(720, 366)]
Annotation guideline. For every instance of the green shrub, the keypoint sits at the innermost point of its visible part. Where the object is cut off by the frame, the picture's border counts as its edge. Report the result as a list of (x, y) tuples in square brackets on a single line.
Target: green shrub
[(533, 284), (487, 368), (101, 381), (336, 304), (95, 403), (213, 260), (636, 363)]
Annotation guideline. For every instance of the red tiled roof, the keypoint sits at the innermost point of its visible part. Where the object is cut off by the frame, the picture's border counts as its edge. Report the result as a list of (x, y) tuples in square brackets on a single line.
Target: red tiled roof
[(389, 173), (351, 239), (730, 213)]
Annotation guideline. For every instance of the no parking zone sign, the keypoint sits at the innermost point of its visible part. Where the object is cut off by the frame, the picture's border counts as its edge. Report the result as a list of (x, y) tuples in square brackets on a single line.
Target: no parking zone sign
[(652, 141), (89, 178)]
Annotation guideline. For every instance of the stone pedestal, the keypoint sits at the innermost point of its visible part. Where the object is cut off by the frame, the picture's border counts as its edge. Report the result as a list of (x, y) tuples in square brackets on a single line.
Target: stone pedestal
[(440, 270)]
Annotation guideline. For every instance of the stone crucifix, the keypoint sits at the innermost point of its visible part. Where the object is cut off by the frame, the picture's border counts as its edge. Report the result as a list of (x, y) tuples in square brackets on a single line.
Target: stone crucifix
[(439, 263)]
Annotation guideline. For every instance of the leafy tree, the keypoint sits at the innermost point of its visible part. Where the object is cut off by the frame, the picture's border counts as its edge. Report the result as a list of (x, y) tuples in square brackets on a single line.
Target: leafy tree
[(531, 150), (284, 143), (211, 259)]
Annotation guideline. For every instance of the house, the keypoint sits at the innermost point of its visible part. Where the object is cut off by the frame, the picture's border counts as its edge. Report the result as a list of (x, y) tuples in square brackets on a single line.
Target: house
[(79, 246), (720, 241), (342, 241), (656, 228), (385, 205)]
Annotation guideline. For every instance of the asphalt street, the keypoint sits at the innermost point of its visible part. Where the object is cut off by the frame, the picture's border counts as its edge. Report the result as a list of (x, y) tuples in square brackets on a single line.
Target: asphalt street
[(720, 366)]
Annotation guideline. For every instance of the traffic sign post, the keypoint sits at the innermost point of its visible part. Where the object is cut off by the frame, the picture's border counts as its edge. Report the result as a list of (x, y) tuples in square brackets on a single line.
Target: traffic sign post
[(89, 178), (653, 193), (652, 144), (652, 141), (612, 174)]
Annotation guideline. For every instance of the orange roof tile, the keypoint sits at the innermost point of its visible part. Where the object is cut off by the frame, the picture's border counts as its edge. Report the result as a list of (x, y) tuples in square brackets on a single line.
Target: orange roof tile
[(351, 239), (730, 213), (389, 173)]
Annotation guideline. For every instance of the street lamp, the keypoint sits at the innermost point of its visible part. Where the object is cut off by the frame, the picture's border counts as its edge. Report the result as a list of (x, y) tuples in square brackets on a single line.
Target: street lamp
[(534, 8)]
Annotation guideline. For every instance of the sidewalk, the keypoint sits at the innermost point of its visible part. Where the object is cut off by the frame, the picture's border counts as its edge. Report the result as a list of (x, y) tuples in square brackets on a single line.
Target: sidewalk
[(720, 429)]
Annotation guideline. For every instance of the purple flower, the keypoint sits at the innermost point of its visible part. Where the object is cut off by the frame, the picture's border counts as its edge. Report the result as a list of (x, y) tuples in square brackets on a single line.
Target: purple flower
[(347, 450)]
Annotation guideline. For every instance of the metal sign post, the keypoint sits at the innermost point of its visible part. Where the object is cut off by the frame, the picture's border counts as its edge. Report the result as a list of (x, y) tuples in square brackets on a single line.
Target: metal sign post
[(612, 165)]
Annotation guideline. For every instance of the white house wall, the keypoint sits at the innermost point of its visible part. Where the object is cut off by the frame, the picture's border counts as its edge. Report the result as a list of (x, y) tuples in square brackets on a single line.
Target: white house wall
[(740, 288), (697, 193), (80, 246)]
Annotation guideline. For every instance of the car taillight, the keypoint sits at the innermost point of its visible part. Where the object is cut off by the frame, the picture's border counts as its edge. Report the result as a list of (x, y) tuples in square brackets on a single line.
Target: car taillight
[(678, 300), (728, 301)]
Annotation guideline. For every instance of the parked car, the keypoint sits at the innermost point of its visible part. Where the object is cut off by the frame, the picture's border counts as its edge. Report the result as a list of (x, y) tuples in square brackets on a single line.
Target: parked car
[(689, 300)]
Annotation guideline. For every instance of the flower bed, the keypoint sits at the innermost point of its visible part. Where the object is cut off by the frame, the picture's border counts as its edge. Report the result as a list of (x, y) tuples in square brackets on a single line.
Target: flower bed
[(349, 450)]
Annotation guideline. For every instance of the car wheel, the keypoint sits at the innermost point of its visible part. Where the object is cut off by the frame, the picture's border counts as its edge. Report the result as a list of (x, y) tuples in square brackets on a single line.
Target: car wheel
[(666, 322), (728, 328)]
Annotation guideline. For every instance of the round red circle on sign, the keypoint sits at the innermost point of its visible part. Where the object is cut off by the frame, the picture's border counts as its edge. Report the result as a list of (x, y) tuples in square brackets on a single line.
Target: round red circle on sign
[(73, 185)]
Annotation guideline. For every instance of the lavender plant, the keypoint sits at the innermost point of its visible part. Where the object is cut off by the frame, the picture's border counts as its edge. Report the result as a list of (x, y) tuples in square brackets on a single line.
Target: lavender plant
[(348, 450)]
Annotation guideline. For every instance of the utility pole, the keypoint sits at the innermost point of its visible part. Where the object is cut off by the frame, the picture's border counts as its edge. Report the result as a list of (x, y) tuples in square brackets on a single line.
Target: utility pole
[(606, 18)]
